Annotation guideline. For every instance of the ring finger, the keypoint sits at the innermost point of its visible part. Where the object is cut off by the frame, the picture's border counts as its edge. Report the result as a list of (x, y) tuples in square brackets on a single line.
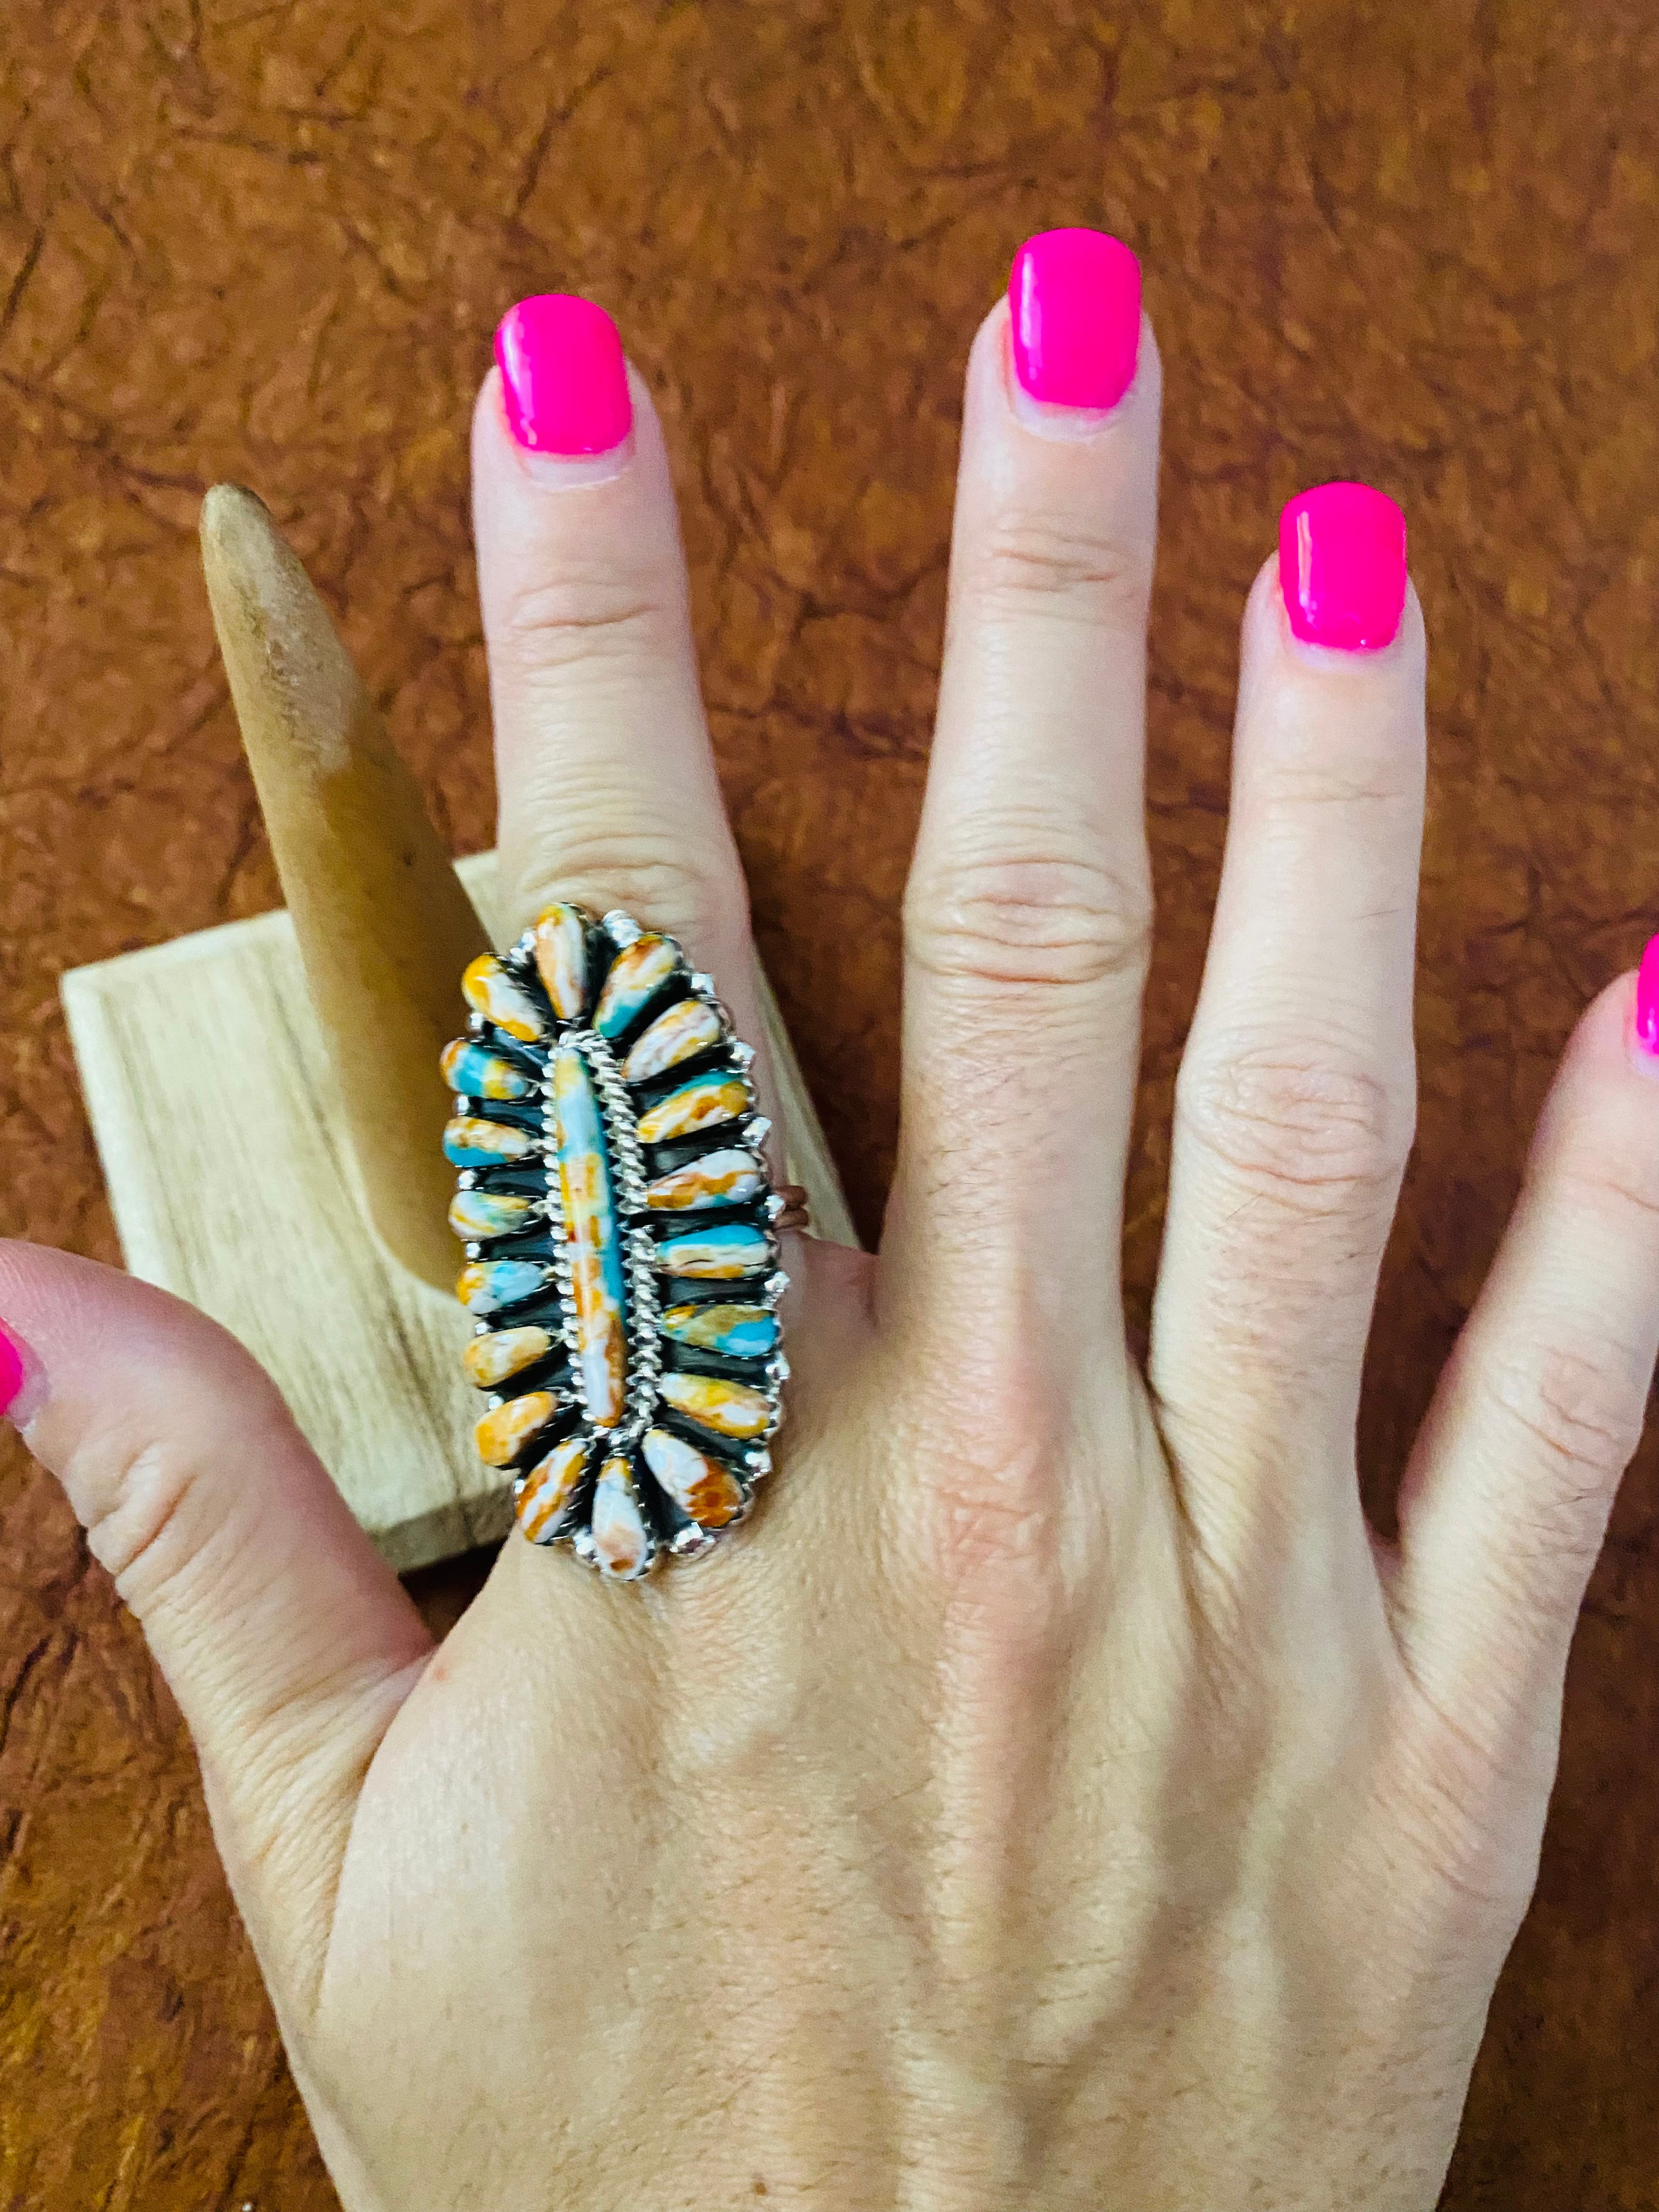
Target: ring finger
[(1296, 1101)]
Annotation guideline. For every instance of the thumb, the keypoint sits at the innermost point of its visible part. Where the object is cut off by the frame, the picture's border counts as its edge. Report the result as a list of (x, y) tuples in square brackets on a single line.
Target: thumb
[(286, 1639)]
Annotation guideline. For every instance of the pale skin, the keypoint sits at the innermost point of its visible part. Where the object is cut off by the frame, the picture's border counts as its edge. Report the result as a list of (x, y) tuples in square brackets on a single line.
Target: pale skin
[(1056, 1796)]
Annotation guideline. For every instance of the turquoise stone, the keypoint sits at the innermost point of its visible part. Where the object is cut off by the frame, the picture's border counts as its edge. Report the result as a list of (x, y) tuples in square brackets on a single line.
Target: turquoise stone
[(721, 1178), (637, 974), (737, 1332), (488, 1284), (470, 1143), (468, 1067), (487, 1213), (704, 1103), (595, 1246), (732, 1249)]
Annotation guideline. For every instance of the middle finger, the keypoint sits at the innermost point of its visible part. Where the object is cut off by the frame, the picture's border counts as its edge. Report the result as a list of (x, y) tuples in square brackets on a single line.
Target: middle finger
[(1028, 910)]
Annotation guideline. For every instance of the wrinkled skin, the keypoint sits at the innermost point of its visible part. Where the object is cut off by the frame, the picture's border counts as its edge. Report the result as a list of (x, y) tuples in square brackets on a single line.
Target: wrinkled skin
[(1056, 1796)]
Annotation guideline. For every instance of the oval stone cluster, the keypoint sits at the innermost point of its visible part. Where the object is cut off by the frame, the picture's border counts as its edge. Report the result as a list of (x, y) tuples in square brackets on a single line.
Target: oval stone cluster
[(622, 1262)]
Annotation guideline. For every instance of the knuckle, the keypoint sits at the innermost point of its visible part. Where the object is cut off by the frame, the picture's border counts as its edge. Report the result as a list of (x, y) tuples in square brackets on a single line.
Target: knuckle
[(649, 873), (1583, 1416), (1290, 784), (1312, 1134), (148, 1504), (1601, 1192), (137, 1533), (1037, 917), (578, 614), (997, 1513), (994, 1506), (1055, 563)]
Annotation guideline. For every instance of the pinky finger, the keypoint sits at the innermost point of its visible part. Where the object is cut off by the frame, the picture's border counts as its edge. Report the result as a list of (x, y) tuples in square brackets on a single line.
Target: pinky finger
[(1541, 1409)]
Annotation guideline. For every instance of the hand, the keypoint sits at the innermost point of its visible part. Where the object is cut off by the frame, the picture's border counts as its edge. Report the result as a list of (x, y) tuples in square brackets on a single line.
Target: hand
[(1058, 1796)]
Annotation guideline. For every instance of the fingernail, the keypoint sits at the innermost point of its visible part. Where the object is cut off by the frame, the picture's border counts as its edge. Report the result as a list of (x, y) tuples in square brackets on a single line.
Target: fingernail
[(1342, 566), (1647, 1000), (563, 380), (22, 1385), (1074, 318)]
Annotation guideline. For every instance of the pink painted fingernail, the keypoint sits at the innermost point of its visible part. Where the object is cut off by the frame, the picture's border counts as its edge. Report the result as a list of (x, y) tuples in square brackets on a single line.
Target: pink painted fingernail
[(564, 378), (1074, 308), (1647, 999), (1342, 566), (13, 1368)]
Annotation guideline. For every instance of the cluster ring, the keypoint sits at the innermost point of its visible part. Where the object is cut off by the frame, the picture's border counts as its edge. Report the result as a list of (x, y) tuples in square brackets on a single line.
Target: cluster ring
[(621, 1233)]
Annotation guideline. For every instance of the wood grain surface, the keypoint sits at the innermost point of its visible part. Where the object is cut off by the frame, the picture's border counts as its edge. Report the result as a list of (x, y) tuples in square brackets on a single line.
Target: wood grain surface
[(269, 243)]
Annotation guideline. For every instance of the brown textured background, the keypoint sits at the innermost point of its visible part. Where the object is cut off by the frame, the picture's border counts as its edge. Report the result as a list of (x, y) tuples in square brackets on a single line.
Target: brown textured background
[(270, 241)]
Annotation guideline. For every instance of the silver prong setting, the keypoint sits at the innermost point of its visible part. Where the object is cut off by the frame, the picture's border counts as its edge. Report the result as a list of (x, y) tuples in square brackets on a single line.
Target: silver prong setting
[(711, 1265)]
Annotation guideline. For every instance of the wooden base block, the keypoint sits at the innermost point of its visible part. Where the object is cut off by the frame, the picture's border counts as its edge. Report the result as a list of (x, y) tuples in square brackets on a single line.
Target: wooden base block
[(219, 1127)]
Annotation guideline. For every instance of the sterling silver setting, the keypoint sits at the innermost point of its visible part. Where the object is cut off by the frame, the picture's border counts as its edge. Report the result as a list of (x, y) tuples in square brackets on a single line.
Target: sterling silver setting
[(620, 1226)]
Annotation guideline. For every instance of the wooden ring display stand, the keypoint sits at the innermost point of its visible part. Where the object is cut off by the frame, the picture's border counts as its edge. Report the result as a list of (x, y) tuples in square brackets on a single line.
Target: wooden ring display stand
[(265, 1095)]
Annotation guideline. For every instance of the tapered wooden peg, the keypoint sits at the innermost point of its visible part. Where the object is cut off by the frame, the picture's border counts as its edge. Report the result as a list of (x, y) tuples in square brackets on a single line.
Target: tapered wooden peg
[(383, 924)]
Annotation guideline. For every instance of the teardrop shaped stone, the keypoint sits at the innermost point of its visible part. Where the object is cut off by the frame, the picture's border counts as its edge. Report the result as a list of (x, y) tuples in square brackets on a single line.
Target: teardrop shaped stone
[(561, 959), (549, 1491), (490, 1360), (702, 1103), (478, 1213), (506, 1431), (704, 1487), (590, 1228), (730, 1409), (502, 999), (732, 1247), (721, 1178), (486, 1285), (689, 1027), (738, 1332), (472, 1143), (637, 974), (469, 1067), (623, 1546)]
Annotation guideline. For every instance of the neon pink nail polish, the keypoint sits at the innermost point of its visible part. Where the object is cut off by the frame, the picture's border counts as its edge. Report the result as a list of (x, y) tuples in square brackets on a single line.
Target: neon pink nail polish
[(563, 379), (1342, 566), (14, 1368), (1074, 310), (1647, 999)]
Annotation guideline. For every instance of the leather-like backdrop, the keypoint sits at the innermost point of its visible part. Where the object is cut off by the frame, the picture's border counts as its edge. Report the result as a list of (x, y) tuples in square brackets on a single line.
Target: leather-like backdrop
[(1418, 246)]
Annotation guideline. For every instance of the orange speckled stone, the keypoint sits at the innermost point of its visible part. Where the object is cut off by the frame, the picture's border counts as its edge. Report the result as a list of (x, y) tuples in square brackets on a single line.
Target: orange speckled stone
[(637, 974), (490, 1360), (465, 1065), (717, 1179), (703, 1487), (549, 1489), (690, 1027), (561, 959), (505, 1431), (590, 1222), (730, 1409), (702, 1103), (500, 998), (472, 1142), (621, 1543)]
